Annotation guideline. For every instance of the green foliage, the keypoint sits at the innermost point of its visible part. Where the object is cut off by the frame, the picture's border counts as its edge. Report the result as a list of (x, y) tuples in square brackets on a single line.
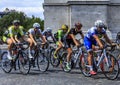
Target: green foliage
[(26, 22)]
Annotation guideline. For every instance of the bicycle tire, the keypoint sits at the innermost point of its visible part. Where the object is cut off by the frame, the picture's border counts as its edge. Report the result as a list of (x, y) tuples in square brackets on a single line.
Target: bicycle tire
[(24, 63), (83, 66), (54, 61), (6, 64), (63, 62), (42, 62), (111, 73)]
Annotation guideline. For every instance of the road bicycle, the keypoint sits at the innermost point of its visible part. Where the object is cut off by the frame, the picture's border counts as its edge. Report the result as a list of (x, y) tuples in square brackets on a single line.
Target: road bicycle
[(19, 60), (104, 60), (40, 58), (56, 61), (75, 58)]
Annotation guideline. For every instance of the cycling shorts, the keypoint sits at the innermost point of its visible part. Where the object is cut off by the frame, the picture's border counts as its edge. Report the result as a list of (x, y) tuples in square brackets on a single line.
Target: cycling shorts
[(88, 43)]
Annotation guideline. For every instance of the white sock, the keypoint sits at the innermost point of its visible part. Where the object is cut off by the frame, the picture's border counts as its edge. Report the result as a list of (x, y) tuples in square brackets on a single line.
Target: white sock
[(29, 52), (9, 56), (91, 68)]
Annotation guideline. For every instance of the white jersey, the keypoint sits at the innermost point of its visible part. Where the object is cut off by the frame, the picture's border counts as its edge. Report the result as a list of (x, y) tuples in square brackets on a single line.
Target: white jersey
[(35, 34)]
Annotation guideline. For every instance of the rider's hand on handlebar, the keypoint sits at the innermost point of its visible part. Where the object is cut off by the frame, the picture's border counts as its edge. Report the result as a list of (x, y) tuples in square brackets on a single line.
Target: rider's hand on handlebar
[(35, 44), (101, 46), (77, 45)]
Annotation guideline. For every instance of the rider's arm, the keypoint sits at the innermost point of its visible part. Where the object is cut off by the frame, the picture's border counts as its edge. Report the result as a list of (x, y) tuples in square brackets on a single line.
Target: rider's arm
[(53, 38), (43, 38), (107, 39), (82, 35), (16, 39), (21, 31), (74, 40), (31, 37), (98, 40)]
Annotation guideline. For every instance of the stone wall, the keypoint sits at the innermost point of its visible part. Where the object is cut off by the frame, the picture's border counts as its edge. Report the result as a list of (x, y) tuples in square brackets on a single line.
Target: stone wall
[(65, 1), (88, 14), (58, 12), (56, 16)]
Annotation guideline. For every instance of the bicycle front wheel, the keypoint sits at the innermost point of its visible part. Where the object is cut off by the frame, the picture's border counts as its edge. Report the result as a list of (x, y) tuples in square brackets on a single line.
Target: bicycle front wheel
[(110, 70), (54, 60), (83, 65), (24, 63), (42, 62), (6, 64)]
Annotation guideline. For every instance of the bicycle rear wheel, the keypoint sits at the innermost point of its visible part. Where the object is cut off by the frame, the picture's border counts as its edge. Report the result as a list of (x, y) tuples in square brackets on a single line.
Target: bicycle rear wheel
[(42, 62), (64, 62), (6, 64), (54, 61), (112, 71), (83, 65), (24, 63)]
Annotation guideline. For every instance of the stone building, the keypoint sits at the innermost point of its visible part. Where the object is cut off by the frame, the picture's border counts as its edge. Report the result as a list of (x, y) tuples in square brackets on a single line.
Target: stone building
[(58, 12)]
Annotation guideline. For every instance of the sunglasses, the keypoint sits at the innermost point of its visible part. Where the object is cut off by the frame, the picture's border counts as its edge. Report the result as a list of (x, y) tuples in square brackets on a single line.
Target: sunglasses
[(16, 24)]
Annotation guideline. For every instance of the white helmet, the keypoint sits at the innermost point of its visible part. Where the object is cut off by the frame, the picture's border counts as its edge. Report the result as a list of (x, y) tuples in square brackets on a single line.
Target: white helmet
[(36, 25), (49, 29), (99, 24)]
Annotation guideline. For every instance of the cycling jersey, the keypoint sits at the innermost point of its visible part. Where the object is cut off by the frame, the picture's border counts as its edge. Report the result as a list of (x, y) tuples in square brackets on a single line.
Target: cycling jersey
[(35, 34), (64, 37), (74, 32), (89, 39), (12, 32), (93, 31), (47, 34)]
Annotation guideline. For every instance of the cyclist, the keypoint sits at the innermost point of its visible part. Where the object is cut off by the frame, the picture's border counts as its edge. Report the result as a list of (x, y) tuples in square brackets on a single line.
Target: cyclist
[(77, 30), (33, 34), (65, 39), (92, 38), (13, 35), (48, 33)]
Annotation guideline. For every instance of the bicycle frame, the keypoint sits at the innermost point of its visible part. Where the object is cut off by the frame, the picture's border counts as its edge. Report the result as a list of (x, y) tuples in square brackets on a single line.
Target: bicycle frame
[(77, 55), (102, 57)]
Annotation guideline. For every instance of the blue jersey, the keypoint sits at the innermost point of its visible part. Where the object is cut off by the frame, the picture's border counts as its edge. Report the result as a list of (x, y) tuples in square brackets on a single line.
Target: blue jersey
[(93, 31), (89, 39), (47, 34)]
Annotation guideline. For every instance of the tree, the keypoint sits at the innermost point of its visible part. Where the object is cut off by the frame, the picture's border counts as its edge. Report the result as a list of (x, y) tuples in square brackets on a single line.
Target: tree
[(26, 22)]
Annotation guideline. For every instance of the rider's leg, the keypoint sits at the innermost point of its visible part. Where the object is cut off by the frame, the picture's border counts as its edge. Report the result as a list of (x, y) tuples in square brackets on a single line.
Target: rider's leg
[(88, 44), (30, 47), (57, 49), (9, 42), (90, 56), (69, 50)]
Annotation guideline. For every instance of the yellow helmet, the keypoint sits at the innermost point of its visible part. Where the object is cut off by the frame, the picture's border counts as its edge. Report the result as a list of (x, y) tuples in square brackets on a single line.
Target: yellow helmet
[(64, 27)]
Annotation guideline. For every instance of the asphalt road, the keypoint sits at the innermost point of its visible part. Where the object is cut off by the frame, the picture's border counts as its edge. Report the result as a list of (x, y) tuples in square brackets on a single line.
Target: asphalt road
[(54, 76)]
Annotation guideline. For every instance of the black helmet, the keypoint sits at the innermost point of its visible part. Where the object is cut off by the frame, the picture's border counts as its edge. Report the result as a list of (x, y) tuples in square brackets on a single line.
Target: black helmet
[(78, 24)]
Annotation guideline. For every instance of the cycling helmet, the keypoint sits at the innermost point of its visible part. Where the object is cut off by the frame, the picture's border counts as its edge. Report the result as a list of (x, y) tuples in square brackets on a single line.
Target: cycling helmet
[(36, 25), (49, 29), (64, 27), (99, 24), (78, 24), (16, 22)]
